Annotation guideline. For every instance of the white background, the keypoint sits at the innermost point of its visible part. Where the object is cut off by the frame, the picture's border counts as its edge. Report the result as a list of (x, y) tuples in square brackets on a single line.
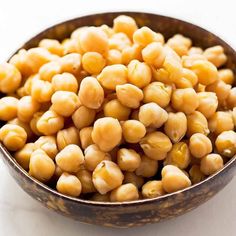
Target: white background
[(22, 216)]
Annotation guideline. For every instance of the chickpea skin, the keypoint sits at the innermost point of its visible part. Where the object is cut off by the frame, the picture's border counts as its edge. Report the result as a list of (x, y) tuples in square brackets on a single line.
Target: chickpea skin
[(152, 189), (211, 164), (8, 108)]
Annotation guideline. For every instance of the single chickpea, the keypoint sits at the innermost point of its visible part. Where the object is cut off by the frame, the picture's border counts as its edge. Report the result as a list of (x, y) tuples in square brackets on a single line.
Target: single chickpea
[(156, 145), (131, 177), (226, 143), (231, 99), (133, 131), (107, 133), (113, 56), (131, 53), (107, 176), (50, 123), (71, 46), (8, 108), (85, 135), (195, 174), (124, 193), (215, 55), (23, 155), (70, 158), (69, 185), (76, 33), (65, 82), (185, 100), (152, 189), (188, 61), (226, 75), (189, 79), (161, 75), (139, 73), (10, 78), (174, 179), (211, 164), (113, 75), (119, 41), (67, 136), (200, 145), (52, 45), (107, 30), (71, 63), (48, 70), (101, 197), (86, 181), (221, 121), (129, 95), (41, 166), (152, 115), (147, 168), (195, 51), (34, 121)]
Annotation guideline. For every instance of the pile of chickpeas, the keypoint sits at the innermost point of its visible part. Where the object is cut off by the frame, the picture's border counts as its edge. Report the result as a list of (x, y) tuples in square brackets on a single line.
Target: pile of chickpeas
[(118, 113)]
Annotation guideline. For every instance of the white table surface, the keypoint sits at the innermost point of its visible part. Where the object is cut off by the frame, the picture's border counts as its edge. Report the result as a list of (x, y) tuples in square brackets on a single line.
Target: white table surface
[(22, 216)]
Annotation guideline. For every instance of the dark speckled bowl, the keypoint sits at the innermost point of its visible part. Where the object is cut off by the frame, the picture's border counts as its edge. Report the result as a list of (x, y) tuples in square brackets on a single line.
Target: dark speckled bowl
[(139, 212)]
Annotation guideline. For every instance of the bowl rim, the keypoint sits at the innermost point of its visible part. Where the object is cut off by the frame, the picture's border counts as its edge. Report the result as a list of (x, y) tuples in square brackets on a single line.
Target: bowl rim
[(10, 159)]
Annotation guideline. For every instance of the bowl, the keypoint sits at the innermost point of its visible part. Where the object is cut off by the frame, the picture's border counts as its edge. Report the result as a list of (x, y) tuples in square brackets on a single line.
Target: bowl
[(140, 212)]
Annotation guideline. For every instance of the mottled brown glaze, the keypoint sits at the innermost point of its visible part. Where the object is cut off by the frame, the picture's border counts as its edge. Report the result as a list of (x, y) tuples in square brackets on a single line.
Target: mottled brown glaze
[(139, 212)]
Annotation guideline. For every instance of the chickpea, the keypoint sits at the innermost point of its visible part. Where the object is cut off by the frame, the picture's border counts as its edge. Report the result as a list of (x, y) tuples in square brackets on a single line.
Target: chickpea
[(131, 53), (107, 176), (125, 192), (69, 185), (185, 100), (161, 75), (8, 108), (71, 46), (10, 78), (48, 145), (189, 79), (23, 155), (93, 62), (71, 63), (157, 92), (50, 123), (156, 145), (67, 136), (200, 145), (93, 39), (215, 55), (52, 45), (139, 73), (178, 156), (196, 175), (173, 179), (125, 24), (86, 181), (152, 115), (221, 121), (107, 133), (226, 75), (119, 41), (114, 56), (208, 103), (195, 51), (152, 189), (77, 32), (231, 99), (85, 135), (176, 126), (48, 70), (113, 75), (188, 61), (131, 177), (41, 166), (101, 197), (147, 168), (211, 164), (70, 158), (34, 121), (93, 156), (133, 131), (226, 143), (107, 30), (234, 116)]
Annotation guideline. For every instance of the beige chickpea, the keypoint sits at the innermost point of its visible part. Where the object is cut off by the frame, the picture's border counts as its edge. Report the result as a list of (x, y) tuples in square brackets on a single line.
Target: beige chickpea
[(113, 75), (231, 99), (86, 181), (147, 168), (234, 115), (70, 158), (185, 100), (173, 179), (226, 143), (107, 133), (226, 75), (133, 131), (113, 56), (70, 45), (41, 166), (119, 41), (200, 145), (69, 185), (131, 177), (152, 189), (195, 51), (50, 123), (48, 70), (34, 121), (101, 197), (139, 73), (188, 80), (152, 115), (176, 126), (76, 33), (195, 174), (8, 108), (70, 63), (52, 45), (188, 61), (10, 78), (107, 176), (107, 30), (211, 164), (161, 75), (125, 192), (85, 135), (91, 93), (131, 53)]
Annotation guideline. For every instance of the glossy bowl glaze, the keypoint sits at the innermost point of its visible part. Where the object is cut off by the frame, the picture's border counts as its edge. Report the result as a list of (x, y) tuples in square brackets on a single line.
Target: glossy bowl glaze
[(140, 212)]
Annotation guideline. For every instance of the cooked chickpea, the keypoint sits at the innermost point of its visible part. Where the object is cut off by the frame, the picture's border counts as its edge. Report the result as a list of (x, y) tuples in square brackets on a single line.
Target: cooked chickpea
[(188, 80), (231, 99), (176, 126), (101, 197), (161, 75), (34, 121), (152, 189), (52, 45), (86, 181), (48, 70), (152, 115), (226, 75), (211, 164), (107, 176), (125, 192), (200, 145), (131, 177), (131, 53), (113, 57), (107, 30), (71, 46), (41, 166), (119, 41), (71, 63), (195, 51), (173, 179), (195, 174), (188, 61), (8, 108), (234, 115), (85, 135), (69, 185), (226, 143)]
